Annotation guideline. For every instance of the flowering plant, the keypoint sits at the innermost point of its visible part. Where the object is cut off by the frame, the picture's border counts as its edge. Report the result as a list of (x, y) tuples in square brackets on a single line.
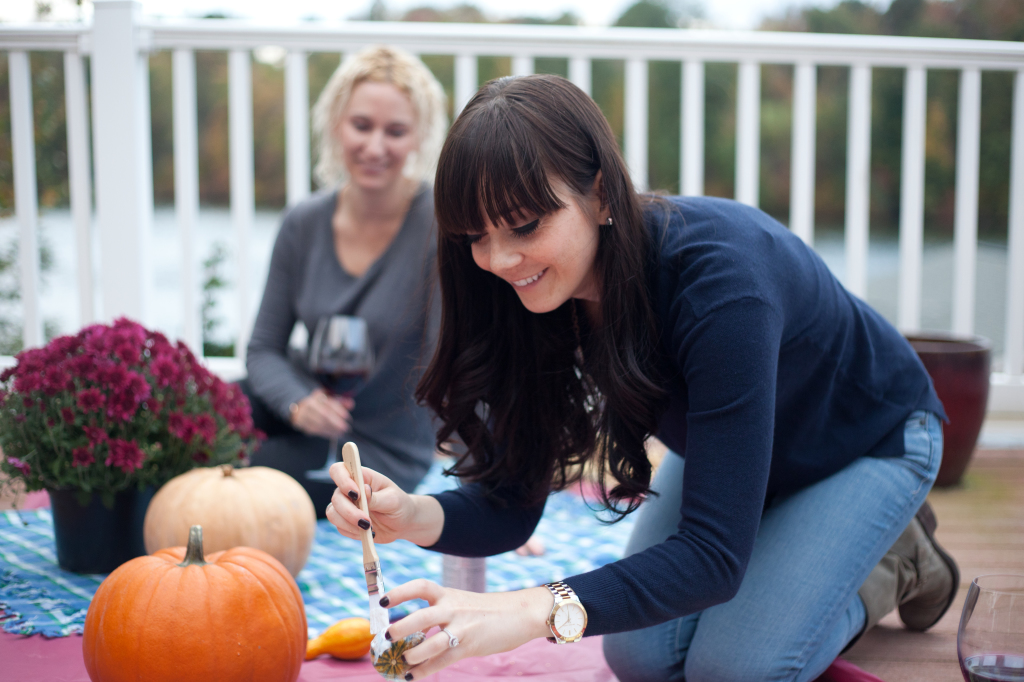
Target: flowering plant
[(116, 406)]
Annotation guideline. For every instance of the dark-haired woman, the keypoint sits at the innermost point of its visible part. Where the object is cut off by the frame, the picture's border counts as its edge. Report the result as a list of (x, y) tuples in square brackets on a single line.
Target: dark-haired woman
[(579, 318)]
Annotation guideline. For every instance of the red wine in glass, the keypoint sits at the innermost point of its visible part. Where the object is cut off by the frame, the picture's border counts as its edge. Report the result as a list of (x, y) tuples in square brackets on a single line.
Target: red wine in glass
[(990, 639), (993, 668), (341, 356), (343, 383)]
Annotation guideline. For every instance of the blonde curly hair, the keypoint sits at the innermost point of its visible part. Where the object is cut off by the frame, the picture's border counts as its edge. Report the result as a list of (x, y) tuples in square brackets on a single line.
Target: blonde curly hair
[(381, 64)]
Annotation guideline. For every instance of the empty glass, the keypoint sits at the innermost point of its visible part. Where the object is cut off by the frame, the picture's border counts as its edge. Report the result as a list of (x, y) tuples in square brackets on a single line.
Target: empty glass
[(341, 358), (990, 641)]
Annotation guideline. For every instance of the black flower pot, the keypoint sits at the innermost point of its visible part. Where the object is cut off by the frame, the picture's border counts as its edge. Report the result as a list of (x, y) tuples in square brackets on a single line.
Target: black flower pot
[(93, 538)]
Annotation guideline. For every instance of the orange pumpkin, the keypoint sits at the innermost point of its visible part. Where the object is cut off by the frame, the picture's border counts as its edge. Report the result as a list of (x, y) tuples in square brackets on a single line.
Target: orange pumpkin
[(347, 639), (173, 616)]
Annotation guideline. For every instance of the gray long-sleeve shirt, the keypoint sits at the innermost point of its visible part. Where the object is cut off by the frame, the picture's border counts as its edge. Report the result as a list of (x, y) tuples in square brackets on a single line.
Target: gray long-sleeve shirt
[(396, 296)]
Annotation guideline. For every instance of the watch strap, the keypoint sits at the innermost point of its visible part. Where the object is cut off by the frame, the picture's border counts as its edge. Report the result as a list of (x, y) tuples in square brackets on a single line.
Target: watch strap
[(562, 592)]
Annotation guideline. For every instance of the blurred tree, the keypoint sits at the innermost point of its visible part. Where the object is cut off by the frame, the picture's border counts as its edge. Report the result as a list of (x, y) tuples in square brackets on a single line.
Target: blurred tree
[(566, 18), (719, 129), (47, 73), (661, 14), (982, 19), (268, 129), (212, 122), (161, 109), (664, 93), (978, 19), (463, 14)]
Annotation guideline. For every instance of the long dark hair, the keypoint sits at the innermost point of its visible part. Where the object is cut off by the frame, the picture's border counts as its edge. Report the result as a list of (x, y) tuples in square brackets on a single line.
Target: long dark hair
[(530, 409)]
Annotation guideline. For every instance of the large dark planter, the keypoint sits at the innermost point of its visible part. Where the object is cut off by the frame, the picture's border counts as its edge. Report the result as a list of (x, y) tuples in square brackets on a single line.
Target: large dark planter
[(94, 539), (959, 368)]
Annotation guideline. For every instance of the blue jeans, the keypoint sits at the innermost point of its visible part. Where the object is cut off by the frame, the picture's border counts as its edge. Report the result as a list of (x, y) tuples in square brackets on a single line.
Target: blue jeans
[(797, 607)]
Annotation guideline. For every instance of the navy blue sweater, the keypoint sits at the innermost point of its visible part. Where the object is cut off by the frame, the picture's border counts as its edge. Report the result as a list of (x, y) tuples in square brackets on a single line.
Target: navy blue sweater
[(779, 378)]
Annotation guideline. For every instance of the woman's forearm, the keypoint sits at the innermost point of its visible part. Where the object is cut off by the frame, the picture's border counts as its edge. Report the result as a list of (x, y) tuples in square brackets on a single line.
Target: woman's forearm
[(428, 521)]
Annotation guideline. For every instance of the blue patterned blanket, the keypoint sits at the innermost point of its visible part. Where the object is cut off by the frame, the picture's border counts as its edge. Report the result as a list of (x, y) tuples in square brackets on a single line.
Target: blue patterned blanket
[(37, 597)]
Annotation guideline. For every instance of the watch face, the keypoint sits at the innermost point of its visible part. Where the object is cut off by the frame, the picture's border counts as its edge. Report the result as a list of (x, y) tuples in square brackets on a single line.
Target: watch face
[(569, 621)]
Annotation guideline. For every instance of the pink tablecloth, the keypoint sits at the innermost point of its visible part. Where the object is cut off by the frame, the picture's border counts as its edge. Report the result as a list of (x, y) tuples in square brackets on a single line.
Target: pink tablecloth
[(35, 659)]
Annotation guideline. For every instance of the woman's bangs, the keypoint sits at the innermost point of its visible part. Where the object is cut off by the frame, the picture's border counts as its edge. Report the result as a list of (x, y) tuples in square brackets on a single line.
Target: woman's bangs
[(493, 174)]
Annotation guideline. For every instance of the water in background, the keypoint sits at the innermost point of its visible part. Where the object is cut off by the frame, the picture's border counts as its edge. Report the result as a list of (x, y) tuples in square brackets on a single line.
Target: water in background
[(59, 299)]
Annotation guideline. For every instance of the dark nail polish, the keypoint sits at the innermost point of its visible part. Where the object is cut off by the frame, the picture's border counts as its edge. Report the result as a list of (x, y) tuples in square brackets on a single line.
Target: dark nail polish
[(387, 635), (384, 601), (353, 495), (408, 676), (374, 533), (364, 524)]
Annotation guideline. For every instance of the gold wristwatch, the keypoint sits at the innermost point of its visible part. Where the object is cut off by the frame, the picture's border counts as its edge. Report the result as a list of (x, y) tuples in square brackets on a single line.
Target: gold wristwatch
[(568, 618)]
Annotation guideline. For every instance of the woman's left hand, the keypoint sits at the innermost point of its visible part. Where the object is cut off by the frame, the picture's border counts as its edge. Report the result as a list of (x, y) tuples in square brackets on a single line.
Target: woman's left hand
[(488, 623)]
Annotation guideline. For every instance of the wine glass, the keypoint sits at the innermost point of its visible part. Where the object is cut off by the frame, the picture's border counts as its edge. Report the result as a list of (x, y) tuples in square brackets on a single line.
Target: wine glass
[(990, 641), (341, 358)]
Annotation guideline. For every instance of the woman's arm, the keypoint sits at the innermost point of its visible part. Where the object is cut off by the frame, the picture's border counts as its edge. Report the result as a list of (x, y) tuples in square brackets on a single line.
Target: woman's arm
[(477, 525), (462, 522)]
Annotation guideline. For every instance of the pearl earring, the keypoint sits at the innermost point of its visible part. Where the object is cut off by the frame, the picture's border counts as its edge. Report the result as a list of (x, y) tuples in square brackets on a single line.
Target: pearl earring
[(609, 222)]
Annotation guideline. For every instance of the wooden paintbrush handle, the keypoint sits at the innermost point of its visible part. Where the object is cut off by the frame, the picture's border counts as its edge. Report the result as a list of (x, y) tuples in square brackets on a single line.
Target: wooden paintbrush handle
[(350, 456)]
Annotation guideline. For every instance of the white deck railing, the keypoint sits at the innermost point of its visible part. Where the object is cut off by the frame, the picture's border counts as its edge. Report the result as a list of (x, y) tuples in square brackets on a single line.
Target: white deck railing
[(119, 41)]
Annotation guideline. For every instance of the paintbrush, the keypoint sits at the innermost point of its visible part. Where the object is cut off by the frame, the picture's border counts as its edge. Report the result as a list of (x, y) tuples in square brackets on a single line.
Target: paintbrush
[(371, 562)]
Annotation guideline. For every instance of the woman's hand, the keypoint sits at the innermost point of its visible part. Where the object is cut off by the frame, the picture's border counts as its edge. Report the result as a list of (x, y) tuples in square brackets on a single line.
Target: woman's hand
[(320, 414), (533, 547), (394, 513), (488, 623)]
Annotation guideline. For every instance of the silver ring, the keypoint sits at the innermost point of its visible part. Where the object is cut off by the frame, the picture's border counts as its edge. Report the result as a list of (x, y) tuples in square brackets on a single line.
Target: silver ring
[(453, 641)]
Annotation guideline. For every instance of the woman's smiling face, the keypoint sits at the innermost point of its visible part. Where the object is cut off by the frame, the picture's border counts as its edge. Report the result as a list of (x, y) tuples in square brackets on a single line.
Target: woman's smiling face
[(547, 259), (377, 131)]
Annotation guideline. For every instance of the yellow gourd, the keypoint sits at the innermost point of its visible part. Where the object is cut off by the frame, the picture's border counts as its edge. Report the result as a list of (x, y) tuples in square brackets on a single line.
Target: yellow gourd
[(347, 639)]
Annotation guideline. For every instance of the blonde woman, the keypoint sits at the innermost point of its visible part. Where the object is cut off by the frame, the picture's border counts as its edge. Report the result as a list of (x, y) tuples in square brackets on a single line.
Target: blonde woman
[(363, 246)]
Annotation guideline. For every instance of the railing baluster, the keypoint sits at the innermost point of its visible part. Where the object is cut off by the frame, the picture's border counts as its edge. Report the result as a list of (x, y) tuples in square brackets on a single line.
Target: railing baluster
[(858, 179), (748, 132), (691, 157), (296, 119), (1013, 363), (579, 73), (636, 121), (79, 180), (186, 190), (912, 200), (122, 158), (465, 80), (801, 194), (25, 194), (965, 240), (242, 180), (522, 65)]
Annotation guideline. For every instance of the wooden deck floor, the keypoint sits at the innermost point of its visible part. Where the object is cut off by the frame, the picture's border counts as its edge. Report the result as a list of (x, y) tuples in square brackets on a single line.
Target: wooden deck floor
[(981, 523)]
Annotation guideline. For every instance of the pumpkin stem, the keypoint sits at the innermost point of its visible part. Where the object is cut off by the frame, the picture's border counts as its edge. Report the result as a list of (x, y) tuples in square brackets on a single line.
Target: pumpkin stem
[(194, 551), (227, 469)]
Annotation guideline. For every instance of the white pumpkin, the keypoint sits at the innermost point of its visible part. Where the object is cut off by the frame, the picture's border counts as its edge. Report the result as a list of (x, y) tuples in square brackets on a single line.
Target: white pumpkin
[(251, 507)]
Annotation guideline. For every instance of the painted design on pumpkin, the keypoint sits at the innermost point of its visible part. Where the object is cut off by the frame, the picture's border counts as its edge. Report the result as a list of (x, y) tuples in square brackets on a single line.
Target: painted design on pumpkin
[(391, 663)]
